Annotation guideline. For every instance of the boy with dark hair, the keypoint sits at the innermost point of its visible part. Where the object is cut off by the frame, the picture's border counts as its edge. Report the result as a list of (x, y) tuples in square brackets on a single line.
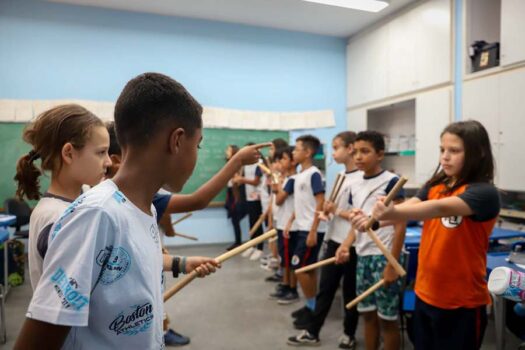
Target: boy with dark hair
[(286, 292), (380, 309), (167, 204), (308, 200), (102, 281)]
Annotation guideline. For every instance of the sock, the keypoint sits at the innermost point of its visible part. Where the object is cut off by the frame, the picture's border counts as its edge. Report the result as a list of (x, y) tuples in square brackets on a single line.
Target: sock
[(310, 303)]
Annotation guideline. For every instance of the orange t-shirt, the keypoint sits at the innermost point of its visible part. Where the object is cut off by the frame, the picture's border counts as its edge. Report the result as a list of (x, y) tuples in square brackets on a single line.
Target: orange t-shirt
[(453, 252)]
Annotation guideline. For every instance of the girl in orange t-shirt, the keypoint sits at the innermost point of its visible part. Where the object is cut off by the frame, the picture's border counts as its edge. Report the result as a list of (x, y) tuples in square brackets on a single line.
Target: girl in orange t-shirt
[(459, 206)]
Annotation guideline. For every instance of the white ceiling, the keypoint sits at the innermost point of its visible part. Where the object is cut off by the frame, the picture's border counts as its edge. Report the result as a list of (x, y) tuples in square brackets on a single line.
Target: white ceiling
[(296, 15)]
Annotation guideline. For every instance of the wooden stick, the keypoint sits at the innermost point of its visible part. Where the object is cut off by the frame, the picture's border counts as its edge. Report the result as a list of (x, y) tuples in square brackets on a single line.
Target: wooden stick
[(393, 193), (186, 236), (387, 253), (365, 294), (273, 239), (265, 168), (336, 182), (343, 178), (315, 265), (258, 223), (181, 219), (221, 258)]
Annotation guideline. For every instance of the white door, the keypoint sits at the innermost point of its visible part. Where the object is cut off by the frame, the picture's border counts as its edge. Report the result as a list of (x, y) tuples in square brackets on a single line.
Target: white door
[(481, 102), (511, 165), (512, 31), (433, 114), (356, 120)]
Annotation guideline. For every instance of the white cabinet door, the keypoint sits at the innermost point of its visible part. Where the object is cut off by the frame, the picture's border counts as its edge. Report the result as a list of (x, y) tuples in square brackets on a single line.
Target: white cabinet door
[(511, 164), (512, 31), (433, 113), (402, 53), (356, 120), (432, 39), (481, 102), (367, 67)]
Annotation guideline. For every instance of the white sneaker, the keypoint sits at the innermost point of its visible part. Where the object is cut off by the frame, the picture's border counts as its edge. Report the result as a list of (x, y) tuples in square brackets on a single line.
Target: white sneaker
[(256, 255), (247, 252)]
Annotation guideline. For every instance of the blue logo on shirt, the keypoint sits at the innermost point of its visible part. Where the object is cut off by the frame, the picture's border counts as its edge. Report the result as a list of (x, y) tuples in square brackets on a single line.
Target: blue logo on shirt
[(115, 263), (68, 211), (137, 321), (66, 289), (119, 197)]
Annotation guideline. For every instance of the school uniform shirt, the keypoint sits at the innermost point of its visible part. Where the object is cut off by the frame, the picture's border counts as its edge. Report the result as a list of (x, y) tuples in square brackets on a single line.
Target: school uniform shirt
[(308, 183), (286, 209), (46, 212), (250, 172), (102, 274), (453, 252), (338, 227), (364, 195)]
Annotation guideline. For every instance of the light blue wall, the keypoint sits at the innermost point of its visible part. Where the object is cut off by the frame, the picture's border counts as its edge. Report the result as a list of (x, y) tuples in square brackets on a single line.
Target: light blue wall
[(54, 51)]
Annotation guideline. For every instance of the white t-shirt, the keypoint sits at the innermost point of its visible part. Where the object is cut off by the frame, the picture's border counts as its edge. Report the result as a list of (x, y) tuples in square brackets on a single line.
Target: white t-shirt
[(308, 183), (286, 209), (364, 195), (264, 193), (252, 192), (338, 227), (103, 274), (46, 212)]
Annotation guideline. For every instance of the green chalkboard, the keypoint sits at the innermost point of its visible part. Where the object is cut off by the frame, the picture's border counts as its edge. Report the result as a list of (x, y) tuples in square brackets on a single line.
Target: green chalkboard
[(13, 147), (211, 155)]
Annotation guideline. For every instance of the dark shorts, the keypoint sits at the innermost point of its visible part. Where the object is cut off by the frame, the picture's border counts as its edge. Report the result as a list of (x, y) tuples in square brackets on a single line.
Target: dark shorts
[(303, 255), (456, 329), (286, 247)]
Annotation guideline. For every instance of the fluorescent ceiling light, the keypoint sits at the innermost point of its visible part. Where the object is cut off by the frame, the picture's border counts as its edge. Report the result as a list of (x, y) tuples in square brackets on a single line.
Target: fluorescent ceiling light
[(363, 5)]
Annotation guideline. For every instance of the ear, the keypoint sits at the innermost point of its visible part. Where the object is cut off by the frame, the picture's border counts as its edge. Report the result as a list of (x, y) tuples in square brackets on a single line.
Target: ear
[(381, 155), (67, 153), (115, 159), (175, 140)]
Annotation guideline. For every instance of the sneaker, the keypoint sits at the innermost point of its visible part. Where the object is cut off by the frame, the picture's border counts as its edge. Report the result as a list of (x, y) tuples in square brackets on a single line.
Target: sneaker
[(304, 320), (172, 338), (289, 297), (234, 245), (274, 278), (299, 312), (256, 255), (347, 342), (264, 259), (304, 339), (279, 293), (247, 252)]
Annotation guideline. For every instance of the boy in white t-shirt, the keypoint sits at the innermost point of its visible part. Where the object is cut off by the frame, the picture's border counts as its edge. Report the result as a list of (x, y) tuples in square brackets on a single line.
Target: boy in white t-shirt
[(380, 309), (101, 286), (286, 292), (308, 201)]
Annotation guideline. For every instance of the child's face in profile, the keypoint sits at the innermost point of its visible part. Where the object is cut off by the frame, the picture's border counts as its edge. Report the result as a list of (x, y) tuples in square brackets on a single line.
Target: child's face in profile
[(341, 153), (228, 153), (300, 153), (366, 157), (88, 165), (285, 163), (184, 161)]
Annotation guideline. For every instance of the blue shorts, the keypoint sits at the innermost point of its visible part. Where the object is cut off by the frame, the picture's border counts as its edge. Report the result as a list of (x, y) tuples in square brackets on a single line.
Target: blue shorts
[(286, 247), (303, 255)]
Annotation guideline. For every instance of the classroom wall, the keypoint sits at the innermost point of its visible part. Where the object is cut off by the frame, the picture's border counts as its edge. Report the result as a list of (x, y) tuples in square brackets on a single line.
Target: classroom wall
[(54, 51)]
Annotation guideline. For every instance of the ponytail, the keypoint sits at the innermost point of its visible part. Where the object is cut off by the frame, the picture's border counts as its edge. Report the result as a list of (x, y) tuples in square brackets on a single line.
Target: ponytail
[(27, 175)]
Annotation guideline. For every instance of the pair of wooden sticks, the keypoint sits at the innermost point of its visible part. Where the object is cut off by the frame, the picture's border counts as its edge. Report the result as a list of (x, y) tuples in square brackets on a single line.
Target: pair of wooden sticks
[(221, 258), (340, 178), (184, 217), (388, 255)]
